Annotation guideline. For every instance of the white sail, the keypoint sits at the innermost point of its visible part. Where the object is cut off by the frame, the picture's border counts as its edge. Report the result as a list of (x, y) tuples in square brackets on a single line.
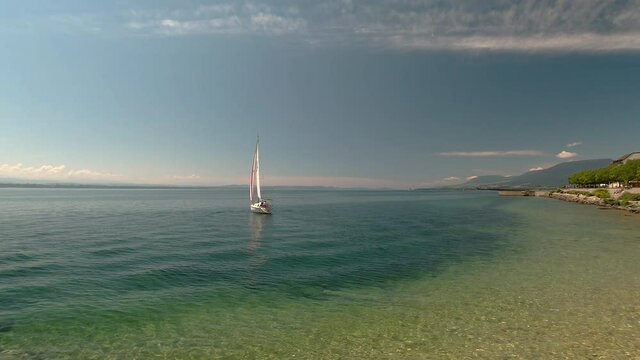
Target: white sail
[(258, 171), (253, 175), (259, 205)]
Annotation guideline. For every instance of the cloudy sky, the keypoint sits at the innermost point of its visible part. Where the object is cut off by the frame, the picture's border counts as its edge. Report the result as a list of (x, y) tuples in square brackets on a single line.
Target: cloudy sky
[(373, 93)]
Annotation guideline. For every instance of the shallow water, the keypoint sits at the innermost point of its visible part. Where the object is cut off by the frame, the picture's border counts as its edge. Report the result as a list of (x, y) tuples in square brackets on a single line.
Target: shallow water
[(332, 274)]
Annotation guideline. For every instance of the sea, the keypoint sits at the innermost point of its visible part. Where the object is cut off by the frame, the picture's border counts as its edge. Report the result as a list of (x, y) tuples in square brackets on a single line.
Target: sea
[(331, 274)]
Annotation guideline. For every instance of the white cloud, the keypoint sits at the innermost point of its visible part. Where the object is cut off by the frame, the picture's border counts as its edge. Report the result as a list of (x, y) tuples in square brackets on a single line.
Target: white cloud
[(186, 27), (21, 170), (493, 153), (472, 177), (53, 172), (528, 25), (86, 173), (566, 154), (536, 168), (275, 23), (543, 43), (573, 144), (231, 18), (187, 177), (452, 178), (170, 23)]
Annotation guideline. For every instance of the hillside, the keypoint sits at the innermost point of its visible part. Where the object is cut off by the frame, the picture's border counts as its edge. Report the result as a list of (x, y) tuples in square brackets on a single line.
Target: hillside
[(486, 180), (554, 176)]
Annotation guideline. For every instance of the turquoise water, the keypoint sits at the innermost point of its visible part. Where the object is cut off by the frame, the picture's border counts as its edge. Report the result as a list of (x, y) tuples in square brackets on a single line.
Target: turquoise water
[(332, 274)]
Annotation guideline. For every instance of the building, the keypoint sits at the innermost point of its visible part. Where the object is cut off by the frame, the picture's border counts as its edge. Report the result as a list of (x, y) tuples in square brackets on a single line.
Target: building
[(624, 158)]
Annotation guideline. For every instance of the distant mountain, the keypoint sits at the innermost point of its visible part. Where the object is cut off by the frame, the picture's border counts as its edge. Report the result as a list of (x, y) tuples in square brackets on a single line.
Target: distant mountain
[(52, 185), (57, 182), (487, 179), (86, 183), (18, 181), (551, 177), (557, 175)]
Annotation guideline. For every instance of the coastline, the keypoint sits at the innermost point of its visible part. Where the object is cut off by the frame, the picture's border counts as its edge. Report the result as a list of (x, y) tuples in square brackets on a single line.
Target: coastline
[(587, 198), (601, 197)]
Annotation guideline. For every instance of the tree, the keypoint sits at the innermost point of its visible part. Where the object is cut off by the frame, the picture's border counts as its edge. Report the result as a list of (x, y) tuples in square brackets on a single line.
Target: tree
[(623, 173)]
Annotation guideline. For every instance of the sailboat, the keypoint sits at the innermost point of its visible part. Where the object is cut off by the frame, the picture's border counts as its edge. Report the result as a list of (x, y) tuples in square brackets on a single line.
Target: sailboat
[(258, 204)]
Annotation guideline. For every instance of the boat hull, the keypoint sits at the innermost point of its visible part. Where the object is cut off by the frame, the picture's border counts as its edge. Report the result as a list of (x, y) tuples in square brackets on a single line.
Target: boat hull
[(257, 209)]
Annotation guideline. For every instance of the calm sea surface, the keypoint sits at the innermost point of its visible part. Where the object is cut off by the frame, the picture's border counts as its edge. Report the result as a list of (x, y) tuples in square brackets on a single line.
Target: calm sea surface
[(332, 274)]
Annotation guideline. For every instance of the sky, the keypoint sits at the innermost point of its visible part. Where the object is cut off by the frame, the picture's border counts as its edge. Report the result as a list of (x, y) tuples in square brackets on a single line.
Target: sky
[(345, 93)]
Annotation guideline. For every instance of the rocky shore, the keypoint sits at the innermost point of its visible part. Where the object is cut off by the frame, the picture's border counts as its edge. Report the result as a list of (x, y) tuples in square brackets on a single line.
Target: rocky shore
[(587, 197)]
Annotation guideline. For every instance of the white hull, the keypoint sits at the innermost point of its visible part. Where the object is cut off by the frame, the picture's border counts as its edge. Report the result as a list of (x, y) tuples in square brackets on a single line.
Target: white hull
[(255, 208)]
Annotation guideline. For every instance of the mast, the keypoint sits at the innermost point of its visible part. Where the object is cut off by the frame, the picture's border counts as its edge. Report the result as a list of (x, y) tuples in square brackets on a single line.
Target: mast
[(258, 169)]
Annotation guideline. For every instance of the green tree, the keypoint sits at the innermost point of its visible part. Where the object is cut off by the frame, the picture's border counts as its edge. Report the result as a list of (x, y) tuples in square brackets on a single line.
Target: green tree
[(623, 173), (633, 171)]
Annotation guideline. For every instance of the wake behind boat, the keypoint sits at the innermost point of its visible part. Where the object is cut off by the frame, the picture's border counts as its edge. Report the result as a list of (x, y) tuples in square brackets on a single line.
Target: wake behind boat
[(258, 204)]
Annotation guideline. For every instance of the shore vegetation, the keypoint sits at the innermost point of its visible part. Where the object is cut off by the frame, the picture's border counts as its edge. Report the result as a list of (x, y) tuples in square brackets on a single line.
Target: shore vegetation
[(620, 173)]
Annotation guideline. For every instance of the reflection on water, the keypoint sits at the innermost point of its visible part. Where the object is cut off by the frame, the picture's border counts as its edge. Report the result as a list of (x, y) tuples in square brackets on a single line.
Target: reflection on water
[(257, 223)]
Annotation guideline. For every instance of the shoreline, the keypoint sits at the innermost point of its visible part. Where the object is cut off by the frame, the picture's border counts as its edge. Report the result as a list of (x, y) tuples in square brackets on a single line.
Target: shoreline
[(580, 196), (589, 199)]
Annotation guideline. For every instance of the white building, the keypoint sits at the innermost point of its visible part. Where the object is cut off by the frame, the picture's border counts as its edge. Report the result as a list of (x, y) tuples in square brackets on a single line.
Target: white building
[(624, 158)]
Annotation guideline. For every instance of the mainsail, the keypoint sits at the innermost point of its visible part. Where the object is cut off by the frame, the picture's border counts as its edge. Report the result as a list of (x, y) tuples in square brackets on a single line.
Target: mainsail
[(258, 170), (259, 205), (253, 175)]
